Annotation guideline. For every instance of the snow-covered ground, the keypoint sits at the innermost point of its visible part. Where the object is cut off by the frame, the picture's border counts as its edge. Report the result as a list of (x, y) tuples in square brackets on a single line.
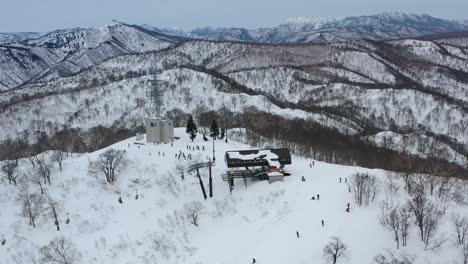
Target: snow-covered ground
[(258, 221)]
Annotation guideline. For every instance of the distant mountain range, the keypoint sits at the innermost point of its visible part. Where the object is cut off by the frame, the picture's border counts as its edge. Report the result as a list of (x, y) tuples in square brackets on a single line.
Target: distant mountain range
[(382, 26), (330, 29)]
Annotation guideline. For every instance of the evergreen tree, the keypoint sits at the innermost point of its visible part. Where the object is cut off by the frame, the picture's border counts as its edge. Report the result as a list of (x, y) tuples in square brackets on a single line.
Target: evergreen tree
[(214, 130), (191, 128)]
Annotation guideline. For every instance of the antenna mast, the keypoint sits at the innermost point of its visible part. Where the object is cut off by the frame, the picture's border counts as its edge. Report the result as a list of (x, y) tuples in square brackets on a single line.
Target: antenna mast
[(155, 93)]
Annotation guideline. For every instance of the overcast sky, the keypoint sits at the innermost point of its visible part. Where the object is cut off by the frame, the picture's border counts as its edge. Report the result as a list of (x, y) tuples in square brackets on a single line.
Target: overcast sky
[(47, 15)]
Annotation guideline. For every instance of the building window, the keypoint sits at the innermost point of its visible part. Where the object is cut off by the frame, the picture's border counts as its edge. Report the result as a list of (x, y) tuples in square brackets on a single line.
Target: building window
[(152, 124)]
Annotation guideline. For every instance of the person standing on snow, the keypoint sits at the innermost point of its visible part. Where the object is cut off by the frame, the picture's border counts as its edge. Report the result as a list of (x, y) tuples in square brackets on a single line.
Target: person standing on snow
[(323, 223), (297, 234)]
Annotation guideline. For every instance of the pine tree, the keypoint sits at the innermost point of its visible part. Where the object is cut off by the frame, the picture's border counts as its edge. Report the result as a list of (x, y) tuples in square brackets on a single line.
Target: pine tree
[(214, 130), (191, 128)]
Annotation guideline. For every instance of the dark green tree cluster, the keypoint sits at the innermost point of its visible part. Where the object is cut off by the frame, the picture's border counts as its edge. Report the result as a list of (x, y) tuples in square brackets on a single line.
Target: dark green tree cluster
[(191, 128)]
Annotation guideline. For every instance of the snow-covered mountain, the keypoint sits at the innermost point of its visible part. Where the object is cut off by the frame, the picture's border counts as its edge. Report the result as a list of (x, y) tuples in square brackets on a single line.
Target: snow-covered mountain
[(64, 52), (410, 96), (11, 37), (330, 29)]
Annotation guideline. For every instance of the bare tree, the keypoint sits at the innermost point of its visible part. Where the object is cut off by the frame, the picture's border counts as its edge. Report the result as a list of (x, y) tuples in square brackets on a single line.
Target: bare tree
[(335, 250), (54, 207), (445, 186), (36, 178), (426, 214), (32, 204), (107, 164), (397, 220), (460, 224), (58, 156), (9, 169), (390, 191), (193, 210), (405, 217), (44, 168), (164, 245), (464, 251), (390, 220), (60, 251), (167, 182), (365, 188)]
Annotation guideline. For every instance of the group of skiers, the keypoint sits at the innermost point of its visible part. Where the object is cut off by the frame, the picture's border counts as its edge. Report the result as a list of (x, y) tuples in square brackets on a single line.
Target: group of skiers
[(193, 148), (182, 155)]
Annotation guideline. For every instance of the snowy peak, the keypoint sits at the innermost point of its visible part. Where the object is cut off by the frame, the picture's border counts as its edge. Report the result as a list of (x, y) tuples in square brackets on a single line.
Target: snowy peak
[(379, 21), (391, 25)]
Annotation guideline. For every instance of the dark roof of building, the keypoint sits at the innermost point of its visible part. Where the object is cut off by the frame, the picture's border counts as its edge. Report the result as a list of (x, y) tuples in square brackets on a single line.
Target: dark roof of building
[(258, 157)]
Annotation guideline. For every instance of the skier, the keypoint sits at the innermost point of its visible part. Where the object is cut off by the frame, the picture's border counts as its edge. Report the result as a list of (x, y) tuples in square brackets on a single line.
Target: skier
[(323, 223), (313, 198), (68, 220), (345, 180), (347, 209), (348, 205), (340, 179), (318, 196), (163, 154), (159, 153), (136, 195), (349, 189), (3, 241), (120, 200), (313, 163), (204, 150), (297, 234), (128, 144), (303, 178), (310, 165), (253, 261), (172, 144)]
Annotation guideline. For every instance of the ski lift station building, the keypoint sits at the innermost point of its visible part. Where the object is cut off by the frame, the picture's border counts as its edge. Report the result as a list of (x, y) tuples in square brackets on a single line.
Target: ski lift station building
[(159, 130), (259, 163)]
